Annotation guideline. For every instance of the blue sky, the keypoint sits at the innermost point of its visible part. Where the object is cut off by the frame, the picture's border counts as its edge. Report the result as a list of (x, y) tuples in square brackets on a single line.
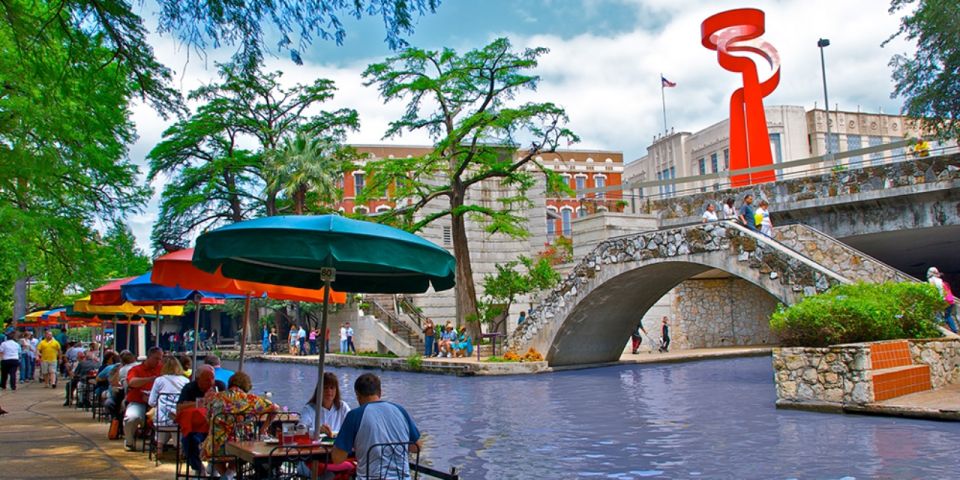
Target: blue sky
[(604, 65)]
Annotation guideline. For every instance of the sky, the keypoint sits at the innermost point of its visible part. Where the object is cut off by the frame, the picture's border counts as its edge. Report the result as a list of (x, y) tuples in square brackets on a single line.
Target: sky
[(604, 66)]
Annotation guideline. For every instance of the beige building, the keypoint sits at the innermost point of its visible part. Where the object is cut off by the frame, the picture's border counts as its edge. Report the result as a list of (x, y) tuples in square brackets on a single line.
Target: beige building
[(794, 134)]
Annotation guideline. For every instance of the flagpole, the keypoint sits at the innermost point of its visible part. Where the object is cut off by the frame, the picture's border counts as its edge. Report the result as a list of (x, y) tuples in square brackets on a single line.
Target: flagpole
[(663, 100)]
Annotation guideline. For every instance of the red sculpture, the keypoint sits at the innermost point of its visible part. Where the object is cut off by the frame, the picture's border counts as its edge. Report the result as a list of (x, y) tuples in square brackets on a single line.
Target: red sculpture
[(738, 31)]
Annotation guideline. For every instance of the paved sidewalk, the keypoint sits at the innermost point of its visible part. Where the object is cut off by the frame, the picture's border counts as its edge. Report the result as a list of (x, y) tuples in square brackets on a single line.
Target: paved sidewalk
[(42, 439)]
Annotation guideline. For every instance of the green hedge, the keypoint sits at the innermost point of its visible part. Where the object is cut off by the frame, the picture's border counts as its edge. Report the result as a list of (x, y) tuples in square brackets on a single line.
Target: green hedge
[(862, 312)]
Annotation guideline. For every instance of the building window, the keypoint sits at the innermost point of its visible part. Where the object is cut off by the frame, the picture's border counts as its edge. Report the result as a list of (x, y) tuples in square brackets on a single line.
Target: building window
[(713, 162), (726, 159), (854, 142), (581, 181), (357, 183), (383, 208), (703, 166), (581, 212), (660, 178), (776, 150), (600, 181), (448, 234), (551, 223), (565, 221), (361, 210), (673, 175), (876, 158)]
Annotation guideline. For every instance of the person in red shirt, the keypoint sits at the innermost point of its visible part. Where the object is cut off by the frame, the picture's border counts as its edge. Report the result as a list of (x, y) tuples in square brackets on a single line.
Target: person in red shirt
[(139, 382)]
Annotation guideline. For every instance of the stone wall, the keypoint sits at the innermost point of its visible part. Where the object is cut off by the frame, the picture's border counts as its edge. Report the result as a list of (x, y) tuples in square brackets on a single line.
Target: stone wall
[(841, 376), (843, 259), (816, 187), (943, 357), (831, 376), (720, 312)]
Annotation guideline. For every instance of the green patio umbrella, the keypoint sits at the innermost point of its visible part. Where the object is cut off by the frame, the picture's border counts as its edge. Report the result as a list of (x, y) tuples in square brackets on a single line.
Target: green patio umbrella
[(326, 251)]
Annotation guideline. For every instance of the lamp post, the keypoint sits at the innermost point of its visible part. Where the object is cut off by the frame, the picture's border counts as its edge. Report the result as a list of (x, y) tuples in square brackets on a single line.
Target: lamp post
[(823, 42)]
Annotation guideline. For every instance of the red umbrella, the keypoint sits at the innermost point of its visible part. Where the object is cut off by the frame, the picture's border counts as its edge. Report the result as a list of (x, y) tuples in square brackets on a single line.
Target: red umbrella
[(109, 294), (176, 270)]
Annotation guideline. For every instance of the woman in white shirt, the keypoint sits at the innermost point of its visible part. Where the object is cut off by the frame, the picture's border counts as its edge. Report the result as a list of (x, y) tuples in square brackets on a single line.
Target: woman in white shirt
[(763, 214), (9, 361), (710, 214), (729, 213), (170, 382), (334, 408)]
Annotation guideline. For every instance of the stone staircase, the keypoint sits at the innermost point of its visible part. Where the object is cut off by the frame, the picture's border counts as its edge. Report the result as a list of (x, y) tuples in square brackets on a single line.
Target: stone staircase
[(894, 373), (384, 309)]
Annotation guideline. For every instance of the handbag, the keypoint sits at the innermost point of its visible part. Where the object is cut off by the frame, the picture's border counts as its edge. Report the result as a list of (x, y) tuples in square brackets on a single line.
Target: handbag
[(947, 294), (114, 432)]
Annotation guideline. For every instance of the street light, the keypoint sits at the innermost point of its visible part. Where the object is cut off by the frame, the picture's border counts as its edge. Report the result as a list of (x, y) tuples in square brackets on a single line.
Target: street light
[(823, 42)]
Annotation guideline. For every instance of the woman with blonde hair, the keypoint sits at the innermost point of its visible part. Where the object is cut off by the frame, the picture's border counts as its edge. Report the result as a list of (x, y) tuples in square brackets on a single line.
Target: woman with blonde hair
[(169, 384)]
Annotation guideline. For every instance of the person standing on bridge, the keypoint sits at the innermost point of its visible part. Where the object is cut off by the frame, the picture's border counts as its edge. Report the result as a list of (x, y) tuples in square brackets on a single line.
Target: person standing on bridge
[(729, 211), (710, 214), (762, 218), (934, 278), (747, 213)]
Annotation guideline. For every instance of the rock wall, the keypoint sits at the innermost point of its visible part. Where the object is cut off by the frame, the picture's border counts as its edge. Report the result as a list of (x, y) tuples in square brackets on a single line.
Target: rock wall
[(720, 313), (834, 375), (943, 357), (837, 256), (842, 375)]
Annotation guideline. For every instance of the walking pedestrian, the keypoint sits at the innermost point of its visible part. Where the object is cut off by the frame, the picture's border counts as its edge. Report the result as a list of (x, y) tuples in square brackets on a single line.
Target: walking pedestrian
[(934, 277), (9, 361), (762, 217), (265, 340), (293, 339), (350, 346), (50, 352), (313, 341), (302, 340), (636, 337), (274, 341), (729, 212), (343, 338), (664, 336), (428, 337), (710, 214), (747, 213)]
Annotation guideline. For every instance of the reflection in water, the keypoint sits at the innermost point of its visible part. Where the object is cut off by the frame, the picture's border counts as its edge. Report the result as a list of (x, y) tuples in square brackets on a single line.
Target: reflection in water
[(711, 419)]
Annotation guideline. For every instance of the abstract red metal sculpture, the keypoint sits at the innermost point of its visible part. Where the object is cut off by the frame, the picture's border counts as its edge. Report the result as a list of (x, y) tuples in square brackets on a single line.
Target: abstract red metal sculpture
[(728, 33)]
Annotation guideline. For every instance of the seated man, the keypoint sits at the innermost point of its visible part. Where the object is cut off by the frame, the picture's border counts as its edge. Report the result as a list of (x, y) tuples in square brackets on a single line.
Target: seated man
[(202, 388), (139, 382), (376, 422), (87, 363), (222, 374)]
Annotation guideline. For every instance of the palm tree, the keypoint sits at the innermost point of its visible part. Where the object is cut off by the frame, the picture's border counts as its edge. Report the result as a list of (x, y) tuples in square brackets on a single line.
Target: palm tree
[(307, 167)]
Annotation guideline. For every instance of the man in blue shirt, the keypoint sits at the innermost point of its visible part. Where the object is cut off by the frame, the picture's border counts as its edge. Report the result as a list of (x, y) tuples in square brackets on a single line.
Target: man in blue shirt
[(746, 213), (377, 422), (222, 374)]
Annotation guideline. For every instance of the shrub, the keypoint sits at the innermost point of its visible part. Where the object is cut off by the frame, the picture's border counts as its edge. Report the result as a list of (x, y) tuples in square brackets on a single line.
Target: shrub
[(861, 312), (415, 362)]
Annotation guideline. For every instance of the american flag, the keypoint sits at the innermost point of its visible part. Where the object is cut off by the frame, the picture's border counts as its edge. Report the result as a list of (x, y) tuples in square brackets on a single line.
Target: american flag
[(666, 83)]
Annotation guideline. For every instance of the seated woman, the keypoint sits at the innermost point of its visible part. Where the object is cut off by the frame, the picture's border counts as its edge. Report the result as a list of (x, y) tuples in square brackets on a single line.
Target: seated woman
[(169, 384), (447, 338), (334, 412), (224, 413), (334, 408), (464, 347), (110, 361)]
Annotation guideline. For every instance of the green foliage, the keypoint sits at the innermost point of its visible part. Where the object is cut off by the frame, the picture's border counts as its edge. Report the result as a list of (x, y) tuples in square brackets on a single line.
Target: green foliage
[(861, 312), (493, 359), (502, 288), (927, 76), (374, 354), (464, 102), (415, 362)]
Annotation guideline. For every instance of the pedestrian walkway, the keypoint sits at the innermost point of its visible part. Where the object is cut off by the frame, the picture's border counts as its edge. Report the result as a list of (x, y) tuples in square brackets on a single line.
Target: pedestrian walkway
[(42, 439)]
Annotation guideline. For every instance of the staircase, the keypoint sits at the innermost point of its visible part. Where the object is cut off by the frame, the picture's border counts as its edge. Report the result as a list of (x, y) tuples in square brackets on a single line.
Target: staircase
[(383, 308), (894, 373)]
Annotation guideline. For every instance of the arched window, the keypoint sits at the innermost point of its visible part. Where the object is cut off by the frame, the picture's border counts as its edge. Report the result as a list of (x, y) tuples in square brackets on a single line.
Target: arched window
[(361, 209), (565, 215)]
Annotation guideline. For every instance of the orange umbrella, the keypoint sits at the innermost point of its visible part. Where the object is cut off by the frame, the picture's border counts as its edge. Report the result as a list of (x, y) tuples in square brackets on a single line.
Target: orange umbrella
[(109, 294), (176, 270)]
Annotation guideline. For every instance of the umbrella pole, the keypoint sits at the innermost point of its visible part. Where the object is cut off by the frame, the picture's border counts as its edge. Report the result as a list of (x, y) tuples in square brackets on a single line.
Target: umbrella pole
[(157, 319), (318, 421), (116, 325), (243, 330), (196, 328), (129, 330)]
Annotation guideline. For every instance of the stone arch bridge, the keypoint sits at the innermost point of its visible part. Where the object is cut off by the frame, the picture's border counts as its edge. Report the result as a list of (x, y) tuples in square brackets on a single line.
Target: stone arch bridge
[(588, 317)]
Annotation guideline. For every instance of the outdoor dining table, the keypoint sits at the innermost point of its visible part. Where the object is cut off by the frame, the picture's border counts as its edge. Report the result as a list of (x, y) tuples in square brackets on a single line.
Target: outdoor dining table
[(258, 453)]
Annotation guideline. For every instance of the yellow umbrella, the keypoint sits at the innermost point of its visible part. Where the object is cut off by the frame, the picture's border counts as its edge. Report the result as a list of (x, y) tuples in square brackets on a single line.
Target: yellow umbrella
[(126, 309)]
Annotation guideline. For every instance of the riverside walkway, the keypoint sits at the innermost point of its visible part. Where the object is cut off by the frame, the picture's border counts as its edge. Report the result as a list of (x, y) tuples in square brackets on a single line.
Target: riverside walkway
[(42, 439)]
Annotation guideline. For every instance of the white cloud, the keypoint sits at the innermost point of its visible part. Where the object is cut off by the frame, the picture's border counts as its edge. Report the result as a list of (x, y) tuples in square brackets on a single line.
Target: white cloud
[(609, 83)]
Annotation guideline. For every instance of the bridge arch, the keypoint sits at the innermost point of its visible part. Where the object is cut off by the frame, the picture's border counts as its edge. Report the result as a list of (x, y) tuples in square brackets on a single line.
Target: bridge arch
[(587, 318)]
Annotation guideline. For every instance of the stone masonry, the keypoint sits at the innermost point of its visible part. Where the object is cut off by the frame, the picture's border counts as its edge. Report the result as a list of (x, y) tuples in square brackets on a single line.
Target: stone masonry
[(837, 256), (721, 313), (580, 322)]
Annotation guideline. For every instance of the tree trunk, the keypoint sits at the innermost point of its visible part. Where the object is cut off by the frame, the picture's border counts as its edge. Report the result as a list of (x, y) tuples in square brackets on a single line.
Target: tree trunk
[(20, 295), (465, 291)]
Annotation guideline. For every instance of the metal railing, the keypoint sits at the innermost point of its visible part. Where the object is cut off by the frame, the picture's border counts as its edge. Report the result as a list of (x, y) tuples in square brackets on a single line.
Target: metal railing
[(394, 323)]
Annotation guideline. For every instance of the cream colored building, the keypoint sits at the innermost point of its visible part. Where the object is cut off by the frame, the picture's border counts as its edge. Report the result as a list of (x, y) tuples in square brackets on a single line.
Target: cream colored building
[(794, 134)]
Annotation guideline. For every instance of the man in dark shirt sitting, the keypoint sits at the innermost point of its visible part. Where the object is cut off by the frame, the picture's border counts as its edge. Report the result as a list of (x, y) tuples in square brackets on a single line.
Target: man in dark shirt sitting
[(204, 385), (81, 374)]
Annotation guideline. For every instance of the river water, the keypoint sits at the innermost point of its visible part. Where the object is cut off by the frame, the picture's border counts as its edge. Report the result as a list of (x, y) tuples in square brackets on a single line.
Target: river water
[(709, 419)]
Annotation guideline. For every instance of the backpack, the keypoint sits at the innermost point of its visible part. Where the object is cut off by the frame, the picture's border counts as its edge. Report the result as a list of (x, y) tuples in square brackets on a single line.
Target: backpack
[(947, 294), (114, 432)]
